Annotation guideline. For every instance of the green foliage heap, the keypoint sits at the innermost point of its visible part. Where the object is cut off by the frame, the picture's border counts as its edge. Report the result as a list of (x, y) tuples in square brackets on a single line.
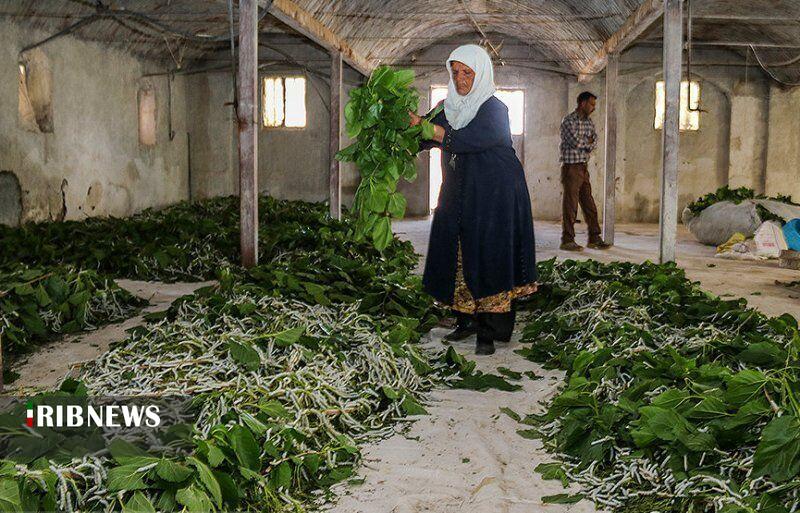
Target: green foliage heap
[(737, 196), (37, 304), (675, 400), (385, 149)]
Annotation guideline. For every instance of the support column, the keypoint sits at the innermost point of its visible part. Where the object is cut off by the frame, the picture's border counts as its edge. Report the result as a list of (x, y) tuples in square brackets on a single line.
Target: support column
[(673, 51), (609, 204), (335, 135), (248, 143)]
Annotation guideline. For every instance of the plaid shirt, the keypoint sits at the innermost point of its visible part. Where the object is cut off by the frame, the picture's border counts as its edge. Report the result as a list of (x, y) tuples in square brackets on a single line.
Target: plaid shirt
[(578, 139)]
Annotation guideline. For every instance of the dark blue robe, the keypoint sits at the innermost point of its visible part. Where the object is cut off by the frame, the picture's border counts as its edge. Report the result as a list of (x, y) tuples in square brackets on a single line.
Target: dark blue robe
[(484, 202)]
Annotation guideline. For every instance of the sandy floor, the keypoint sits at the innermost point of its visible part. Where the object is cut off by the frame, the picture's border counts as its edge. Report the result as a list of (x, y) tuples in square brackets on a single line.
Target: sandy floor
[(48, 366), (466, 456)]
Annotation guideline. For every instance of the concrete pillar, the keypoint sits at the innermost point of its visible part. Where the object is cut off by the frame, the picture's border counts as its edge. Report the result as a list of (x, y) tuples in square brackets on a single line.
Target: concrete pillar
[(748, 136), (673, 50), (783, 153), (248, 142)]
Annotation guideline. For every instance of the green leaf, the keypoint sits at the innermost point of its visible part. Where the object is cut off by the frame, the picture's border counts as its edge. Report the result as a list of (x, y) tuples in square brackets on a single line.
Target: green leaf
[(125, 477), (291, 336), (195, 499), (171, 471), (412, 407), (382, 233), (562, 498), (553, 471), (511, 413), (778, 451), (246, 448), (208, 480), (281, 476), (9, 496), (743, 385), (244, 355), (139, 503)]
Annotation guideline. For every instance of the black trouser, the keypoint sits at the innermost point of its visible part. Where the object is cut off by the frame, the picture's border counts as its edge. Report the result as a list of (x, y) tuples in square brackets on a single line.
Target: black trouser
[(494, 326)]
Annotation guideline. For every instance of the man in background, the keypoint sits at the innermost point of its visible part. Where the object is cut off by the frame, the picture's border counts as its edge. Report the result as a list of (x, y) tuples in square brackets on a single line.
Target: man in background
[(578, 141)]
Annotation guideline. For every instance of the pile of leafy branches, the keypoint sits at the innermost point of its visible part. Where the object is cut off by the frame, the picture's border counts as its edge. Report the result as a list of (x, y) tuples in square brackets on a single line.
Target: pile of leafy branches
[(385, 149), (285, 390), (737, 196), (675, 400), (38, 303), (186, 241)]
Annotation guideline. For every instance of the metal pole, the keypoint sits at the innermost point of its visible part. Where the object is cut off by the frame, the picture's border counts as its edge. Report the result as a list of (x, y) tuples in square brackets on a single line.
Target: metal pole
[(673, 46), (609, 204), (248, 142), (335, 135)]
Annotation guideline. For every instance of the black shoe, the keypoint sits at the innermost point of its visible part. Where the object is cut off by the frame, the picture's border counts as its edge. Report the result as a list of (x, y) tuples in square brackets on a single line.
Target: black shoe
[(484, 347), (461, 332)]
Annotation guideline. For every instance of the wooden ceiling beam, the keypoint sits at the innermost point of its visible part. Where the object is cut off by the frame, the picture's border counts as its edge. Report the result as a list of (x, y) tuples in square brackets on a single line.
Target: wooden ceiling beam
[(291, 14)]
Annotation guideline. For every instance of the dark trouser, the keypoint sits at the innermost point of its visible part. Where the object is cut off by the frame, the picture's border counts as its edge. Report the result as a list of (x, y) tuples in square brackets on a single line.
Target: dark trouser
[(577, 189), (494, 326)]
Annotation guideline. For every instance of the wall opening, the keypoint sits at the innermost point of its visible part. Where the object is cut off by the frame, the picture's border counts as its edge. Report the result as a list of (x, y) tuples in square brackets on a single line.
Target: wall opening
[(514, 100), (35, 92), (690, 114), (284, 102), (147, 116), (10, 199)]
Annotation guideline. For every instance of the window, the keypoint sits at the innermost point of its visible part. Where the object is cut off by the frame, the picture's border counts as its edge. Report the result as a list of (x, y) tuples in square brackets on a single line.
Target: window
[(147, 116), (690, 116), (35, 92), (284, 102), (514, 100)]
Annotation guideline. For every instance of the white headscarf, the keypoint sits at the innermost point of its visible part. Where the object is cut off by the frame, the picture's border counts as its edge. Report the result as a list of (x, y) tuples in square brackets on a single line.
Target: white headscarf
[(460, 110)]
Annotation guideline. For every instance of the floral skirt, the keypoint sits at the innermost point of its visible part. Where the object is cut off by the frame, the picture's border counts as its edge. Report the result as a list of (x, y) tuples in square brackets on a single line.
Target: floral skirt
[(497, 303)]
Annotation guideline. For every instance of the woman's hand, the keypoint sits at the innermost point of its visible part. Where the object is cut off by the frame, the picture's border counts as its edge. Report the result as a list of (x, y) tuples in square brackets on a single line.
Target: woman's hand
[(415, 120)]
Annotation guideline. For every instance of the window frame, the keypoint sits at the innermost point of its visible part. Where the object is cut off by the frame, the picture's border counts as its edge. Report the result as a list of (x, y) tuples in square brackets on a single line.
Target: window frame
[(262, 109), (688, 111)]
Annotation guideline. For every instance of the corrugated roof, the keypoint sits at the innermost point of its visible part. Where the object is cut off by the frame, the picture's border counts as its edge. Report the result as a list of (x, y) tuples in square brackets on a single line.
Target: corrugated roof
[(569, 32)]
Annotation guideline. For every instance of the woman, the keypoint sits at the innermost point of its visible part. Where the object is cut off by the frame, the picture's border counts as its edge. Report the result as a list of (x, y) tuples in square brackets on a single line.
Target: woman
[(481, 254)]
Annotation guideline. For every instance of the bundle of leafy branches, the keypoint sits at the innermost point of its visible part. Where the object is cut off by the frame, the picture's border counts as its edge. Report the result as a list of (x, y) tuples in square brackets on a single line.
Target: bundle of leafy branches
[(675, 400), (385, 149), (736, 196), (37, 304)]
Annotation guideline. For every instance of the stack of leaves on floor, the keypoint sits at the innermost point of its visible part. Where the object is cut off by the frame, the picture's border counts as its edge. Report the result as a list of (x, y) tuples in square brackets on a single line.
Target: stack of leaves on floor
[(37, 304), (283, 392), (303, 251), (186, 241), (737, 196), (675, 400)]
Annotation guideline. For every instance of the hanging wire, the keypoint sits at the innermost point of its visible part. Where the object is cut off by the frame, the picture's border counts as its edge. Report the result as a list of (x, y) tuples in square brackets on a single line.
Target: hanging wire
[(770, 72), (233, 60)]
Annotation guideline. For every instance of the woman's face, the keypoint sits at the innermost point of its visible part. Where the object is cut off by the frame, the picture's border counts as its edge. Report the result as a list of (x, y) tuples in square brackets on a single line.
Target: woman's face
[(463, 77)]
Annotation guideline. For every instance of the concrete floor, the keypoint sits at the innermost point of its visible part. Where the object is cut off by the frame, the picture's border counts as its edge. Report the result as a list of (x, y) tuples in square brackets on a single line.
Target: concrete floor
[(754, 281)]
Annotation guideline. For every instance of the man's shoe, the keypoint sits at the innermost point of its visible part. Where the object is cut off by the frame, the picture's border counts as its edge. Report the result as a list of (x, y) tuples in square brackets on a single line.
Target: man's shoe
[(571, 246), (599, 244), (461, 332), (484, 346)]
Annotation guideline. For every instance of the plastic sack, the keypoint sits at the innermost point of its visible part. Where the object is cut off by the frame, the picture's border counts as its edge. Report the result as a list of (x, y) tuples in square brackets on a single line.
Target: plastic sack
[(769, 240), (792, 234), (718, 222)]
